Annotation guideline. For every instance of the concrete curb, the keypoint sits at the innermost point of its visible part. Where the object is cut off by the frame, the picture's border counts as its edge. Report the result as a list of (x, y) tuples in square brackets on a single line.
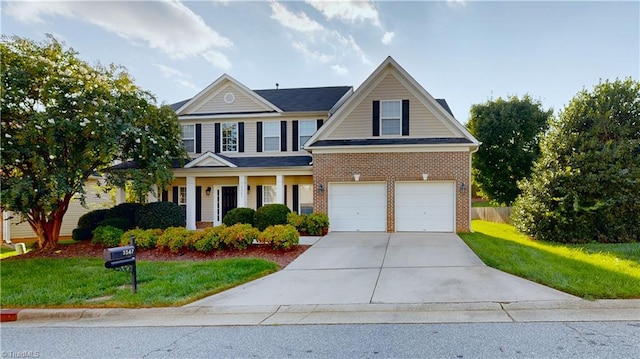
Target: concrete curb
[(476, 312)]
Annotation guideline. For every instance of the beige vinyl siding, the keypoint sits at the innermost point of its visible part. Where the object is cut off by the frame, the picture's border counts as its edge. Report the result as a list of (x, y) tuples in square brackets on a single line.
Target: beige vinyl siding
[(358, 123), (70, 221), (208, 137), (216, 103)]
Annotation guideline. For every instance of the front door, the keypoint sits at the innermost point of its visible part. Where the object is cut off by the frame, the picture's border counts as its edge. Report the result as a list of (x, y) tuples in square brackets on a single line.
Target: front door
[(229, 199)]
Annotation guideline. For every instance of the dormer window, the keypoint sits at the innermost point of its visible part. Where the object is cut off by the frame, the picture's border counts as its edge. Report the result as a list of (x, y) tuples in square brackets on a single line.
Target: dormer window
[(391, 118)]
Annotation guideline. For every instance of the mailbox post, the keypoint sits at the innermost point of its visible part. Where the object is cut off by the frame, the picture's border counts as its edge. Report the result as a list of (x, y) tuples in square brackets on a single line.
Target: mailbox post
[(122, 256)]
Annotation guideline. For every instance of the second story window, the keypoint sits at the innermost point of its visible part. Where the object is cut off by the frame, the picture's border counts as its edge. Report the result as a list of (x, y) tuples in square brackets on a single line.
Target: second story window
[(189, 137), (307, 129), (391, 118), (271, 136), (229, 137)]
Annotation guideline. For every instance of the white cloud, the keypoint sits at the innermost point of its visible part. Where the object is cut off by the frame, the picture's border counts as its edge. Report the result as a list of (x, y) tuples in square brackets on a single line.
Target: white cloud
[(217, 59), (168, 26), (299, 22), (177, 75), (388, 37), (348, 10), (314, 55), (339, 69)]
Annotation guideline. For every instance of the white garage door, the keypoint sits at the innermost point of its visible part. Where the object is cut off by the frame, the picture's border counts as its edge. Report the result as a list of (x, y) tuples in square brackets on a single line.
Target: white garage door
[(425, 206), (358, 206)]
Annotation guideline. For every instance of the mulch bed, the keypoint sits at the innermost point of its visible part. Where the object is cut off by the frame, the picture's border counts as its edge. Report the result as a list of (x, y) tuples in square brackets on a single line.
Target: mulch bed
[(87, 249)]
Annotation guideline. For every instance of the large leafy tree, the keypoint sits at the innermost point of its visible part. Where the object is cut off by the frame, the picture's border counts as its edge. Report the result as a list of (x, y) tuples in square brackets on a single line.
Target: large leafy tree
[(586, 184), (63, 120), (510, 132)]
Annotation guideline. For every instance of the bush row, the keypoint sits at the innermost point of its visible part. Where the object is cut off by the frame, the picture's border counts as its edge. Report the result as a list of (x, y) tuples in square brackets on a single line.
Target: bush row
[(265, 216), (314, 224), (126, 216), (238, 236)]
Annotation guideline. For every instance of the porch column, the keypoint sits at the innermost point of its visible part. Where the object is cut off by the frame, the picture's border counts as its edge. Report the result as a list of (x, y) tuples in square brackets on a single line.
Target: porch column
[(280, 189), (121, 195), (242, 191), (191, 202), (154, 195)]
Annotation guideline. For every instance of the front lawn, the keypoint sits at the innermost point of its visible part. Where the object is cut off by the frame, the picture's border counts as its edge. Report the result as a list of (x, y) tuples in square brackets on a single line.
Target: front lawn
[(591, 271), (84, 282)]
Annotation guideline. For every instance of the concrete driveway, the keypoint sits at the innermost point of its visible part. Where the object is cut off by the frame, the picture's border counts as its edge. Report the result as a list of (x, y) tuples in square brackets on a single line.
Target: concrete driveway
[(386, 268)]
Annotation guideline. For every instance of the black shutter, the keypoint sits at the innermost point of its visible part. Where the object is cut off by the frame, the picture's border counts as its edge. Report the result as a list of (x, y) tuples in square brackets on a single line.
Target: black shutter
[(319, 123), (296, 146), (165, 195), (198, 138), (258, 197), (198, 203), (376, 118), (259, 137), (285, 195), (240, 136), (405, 117), (296, 199), (217, 136), (283, 136), (175, 195)]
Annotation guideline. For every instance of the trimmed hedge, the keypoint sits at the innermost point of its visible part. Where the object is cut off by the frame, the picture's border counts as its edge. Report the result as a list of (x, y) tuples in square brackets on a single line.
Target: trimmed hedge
[(208, 239), (175, 238), (239, 215), (108, 236), (238, 236), (88, 222), (145, 238), (118, 222), (271, 215), (160, 215), (313, 224), (125, 210), (280, 236)]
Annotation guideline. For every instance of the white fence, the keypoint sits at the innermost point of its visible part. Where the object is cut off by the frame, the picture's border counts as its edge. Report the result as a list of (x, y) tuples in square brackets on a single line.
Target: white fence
[(492, 214)]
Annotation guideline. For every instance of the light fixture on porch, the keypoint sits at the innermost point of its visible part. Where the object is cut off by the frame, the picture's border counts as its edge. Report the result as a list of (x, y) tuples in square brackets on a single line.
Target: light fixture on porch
[(425, 176), (463, 187), (248, 188), (208, 191), (320, 188), (356, 177)]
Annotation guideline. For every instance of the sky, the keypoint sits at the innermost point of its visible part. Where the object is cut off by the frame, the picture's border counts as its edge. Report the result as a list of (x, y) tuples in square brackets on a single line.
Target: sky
[(468, 52)]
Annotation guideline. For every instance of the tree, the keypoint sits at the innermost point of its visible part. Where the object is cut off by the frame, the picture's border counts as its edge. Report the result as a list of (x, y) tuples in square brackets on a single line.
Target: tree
[(510, 132), (586, 184), (62, 120)]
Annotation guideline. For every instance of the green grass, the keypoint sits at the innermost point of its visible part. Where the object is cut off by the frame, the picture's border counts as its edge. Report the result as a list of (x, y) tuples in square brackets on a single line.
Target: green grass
[(484, 203), (591, 271), (84, 282)]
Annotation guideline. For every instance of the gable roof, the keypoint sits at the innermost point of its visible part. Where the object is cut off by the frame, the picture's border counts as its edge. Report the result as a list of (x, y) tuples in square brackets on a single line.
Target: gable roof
[(440, 108)]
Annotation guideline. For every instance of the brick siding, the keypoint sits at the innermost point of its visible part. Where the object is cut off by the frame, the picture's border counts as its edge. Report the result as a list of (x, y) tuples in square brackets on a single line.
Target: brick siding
[(392, 167)]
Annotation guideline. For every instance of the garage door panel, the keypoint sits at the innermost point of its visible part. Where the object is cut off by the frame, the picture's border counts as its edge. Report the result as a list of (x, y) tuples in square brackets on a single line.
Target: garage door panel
[(358, 207), (425, 206)]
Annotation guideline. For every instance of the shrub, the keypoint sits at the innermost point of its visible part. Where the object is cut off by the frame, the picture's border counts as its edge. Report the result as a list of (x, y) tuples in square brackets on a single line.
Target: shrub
[(280, 236), (238, 236), (108, 236), (122, 223), (175, 238), (91, 219), (145, 238), (125, 210), (81, 234), (316, 223), (299, 221), (160, 215), (239, 215), (208, 239), (270, 215)]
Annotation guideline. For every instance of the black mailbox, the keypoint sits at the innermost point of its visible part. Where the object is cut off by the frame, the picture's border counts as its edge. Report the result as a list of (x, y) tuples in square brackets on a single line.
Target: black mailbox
[(120, 263), (118, 253)]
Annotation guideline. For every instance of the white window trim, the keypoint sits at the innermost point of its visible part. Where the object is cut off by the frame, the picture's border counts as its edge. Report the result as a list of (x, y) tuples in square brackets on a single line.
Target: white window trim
[(391, 118), (180, 197), (264, 137), (300, 135), (264, 193), (222, 136), (300, 188), (189, 138)]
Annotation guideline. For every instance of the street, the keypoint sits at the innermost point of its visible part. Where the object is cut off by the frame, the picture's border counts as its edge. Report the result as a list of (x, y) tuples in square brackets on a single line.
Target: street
[(477, 340)]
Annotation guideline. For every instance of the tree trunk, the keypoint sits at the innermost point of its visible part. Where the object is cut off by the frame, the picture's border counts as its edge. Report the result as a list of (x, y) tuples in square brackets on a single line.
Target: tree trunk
[(47, 227)]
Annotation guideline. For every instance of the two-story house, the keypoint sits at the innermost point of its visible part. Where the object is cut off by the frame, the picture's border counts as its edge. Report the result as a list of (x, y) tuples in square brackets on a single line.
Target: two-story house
[(385, 157)]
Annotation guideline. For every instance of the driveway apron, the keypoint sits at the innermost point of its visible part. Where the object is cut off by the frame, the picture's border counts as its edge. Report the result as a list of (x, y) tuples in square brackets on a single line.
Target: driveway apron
[(366, 267)]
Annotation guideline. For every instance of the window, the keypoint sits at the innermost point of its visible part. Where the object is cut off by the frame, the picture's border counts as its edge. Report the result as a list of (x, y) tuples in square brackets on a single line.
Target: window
[(391, 117), (182, 196), (229, 137), (268, 194), (305, 193), (189, 137), (306, 130), (271, 136)]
